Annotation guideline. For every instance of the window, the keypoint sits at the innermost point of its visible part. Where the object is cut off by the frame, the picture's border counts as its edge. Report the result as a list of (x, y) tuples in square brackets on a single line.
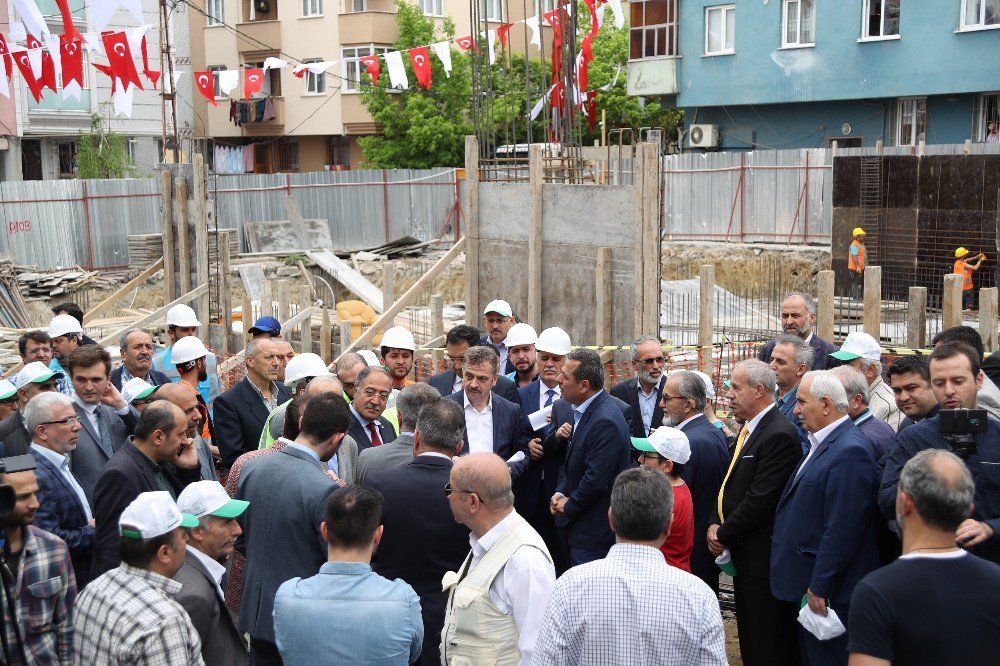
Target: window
[(288, 154), (216, 69), (132, 149), (720, 28), (340, 151), (315, 83), (980, 13), (543, 6), (987, 119), (312, 8), (67, 160), (881, 19), (272, 80), (798, 23), (491, 10), (432, 7), (215, 13), (353, 68), (358, 5), (653, 29), (910, 120)]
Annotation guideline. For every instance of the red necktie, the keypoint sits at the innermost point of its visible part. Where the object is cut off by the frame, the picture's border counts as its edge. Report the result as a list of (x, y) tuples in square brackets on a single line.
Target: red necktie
[(376, 440)]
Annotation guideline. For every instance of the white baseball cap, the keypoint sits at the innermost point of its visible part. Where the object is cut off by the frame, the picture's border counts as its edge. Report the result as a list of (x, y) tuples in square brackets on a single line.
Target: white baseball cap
[(367, 354), (398, 337), (670, 443), (187, 349), (500, 307), (209, 498), (151, 515), (859, 345), (709, 387), (182, 315), (7, 389), (306, 365), (63, 324), (137, 389), (553, 340), (34, 373), (520, 334)]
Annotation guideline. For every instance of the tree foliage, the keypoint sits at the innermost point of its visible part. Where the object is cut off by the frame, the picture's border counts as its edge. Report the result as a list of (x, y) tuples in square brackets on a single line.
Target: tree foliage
[(101, 153)]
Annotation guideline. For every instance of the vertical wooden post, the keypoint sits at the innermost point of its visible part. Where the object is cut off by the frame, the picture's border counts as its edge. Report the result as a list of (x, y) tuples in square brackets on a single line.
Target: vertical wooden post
[(988, 317), (281, 296), (951, 301), (706, 304), (326, 338), (437, 328), (388, 286), (345, 335), (266, 298), (602, 293), (873, 301), (652, 180), (306, 327), (916, 318), (536, 183), (824, 305), (247, 317), (473, 305), (167, 229), (183, 245), (225, 300), (201, 234)]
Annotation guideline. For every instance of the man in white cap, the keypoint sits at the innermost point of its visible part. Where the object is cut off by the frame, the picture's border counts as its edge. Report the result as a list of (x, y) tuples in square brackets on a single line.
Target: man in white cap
[(863, 352), (396, 352), (667, 450), (34, 378), (520, 343), (644, 392), (138, 393), (298, 373), (8, 399), (498, 317), (65, 333), (209, 546), (182, 322), (129, 614)]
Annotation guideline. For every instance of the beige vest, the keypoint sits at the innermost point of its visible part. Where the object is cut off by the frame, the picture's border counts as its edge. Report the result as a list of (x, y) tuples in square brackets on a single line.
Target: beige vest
[(475, 631)]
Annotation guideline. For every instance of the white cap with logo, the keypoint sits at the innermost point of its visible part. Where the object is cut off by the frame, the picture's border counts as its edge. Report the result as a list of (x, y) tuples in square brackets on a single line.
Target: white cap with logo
[(500, 307), (34, 373), (520, 334), (137, 389), (209, 498), (554, 341), (63, 324), (858, 345), (7, 390), (151, 515), (670, 443)]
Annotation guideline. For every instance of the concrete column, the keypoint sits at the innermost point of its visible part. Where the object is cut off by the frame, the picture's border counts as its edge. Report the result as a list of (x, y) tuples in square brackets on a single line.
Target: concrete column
[(916, 318), (473, 304), (951, 301), (873, 301), (536, 181), (706, 362), (602, 292), (824, 305), (988, 317)]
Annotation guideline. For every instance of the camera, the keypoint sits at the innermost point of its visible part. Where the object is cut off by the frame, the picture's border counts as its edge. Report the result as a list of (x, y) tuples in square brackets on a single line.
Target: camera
[(960, 427)]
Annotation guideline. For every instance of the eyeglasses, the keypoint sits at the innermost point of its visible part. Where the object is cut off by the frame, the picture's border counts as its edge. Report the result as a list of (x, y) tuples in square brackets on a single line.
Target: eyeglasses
[(371, 393), (658, 360), (650, 456), (9, 401), (144, 401), (448, 490), (67, 421), (668, 398), (457, 359)]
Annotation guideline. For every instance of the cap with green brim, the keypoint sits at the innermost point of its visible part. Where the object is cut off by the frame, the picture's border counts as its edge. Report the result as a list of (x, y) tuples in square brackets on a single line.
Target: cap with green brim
[(137, 389), (151, 515), (727, 383), (209, 498), (842, 355), (35, 372), (667, 442), (7, 390), (642, 444)]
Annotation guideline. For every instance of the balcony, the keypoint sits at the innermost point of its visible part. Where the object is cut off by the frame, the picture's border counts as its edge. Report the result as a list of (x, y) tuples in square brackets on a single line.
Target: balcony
[(369, 27), (262, 36), (357, 120), (267, 127), (653, 76)]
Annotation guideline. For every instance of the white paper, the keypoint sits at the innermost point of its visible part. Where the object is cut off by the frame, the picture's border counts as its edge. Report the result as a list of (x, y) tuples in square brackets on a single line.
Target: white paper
[(516, 458), (135, 36), (320, 67), (101, 11), (823, 628), (167, 88), (71, 89), (274, 63), (539, 419), (92, 41), (397, 73), (4, 86), (35, 59), (228, 80), (616, 7), (532, 23), (443, 52), (600, 14)]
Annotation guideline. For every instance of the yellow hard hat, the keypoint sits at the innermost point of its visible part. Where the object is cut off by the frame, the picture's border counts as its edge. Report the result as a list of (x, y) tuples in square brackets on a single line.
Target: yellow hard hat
[(858, 231), (961, 252)]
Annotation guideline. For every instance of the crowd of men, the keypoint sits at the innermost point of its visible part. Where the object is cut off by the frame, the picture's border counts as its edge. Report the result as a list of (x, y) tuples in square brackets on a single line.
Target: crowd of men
[(512, 509)]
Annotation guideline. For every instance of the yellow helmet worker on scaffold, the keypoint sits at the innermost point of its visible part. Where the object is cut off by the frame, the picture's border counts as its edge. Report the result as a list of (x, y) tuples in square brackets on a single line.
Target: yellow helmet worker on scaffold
[(961, 252), (858, 231)]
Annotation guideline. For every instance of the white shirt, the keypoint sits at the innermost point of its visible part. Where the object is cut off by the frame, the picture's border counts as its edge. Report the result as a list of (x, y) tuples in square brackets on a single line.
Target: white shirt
[(61, 463), (479, 425), (214, 569), (456, 385), (818, 438), (752, 423), (434, 453), (91, 412), (680, 426), (522, 588), (542, 393)]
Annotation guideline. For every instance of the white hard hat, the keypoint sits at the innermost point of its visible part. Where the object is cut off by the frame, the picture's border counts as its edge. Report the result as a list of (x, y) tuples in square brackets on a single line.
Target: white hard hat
[(520, 334), (398, 337), (187, 349), (182, 315), (367, 354), (500, 307), (553, 340), (63, 324), (305, 365)]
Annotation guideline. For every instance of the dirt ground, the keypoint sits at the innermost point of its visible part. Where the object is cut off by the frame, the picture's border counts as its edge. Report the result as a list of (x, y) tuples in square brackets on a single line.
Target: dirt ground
[(732, 639)]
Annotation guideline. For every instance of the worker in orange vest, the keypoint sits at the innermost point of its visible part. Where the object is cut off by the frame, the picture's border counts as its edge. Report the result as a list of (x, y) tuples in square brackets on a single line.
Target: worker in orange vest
[(857, 259), (964, 268)]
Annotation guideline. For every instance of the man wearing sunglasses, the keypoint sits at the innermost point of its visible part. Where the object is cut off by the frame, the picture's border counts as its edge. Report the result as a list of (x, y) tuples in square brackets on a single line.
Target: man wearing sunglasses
[(34, 378), (644, 392)]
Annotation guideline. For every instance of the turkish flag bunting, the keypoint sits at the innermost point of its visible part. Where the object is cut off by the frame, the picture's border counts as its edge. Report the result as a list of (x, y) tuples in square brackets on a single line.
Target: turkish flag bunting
[(71, 52), (48, 78), (151, 74), (299, 72), (253, 81), (502, 33), (466, 43), (206, 85), (553, 20), (594, 26), (592, 110), (8, 62), (67, 20), (372, 65), (420, 58), (120, 58), (34, 85)]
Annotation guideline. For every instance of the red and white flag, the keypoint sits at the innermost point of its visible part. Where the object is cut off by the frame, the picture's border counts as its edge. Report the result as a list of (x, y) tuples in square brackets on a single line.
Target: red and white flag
[(253, 81), (48, 76), (8, 61), (206, 86), (120, 59), (151, 74), (372, 65), (420, 58), (467, 43), (24, 64), (71, 61)]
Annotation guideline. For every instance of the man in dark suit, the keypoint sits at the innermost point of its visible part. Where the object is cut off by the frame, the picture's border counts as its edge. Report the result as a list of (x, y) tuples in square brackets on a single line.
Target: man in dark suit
[(798, 317), (459, 340), (824, 527), (287, 492), (241, 411), (598, 448), (159, 457), (62, 507), (684, 400), (643, 394), (498, 317), (209, 546), (34, 378), (766, 453), (791, 358), (106, 418), (371, 395), (417, 512), (136, 347)]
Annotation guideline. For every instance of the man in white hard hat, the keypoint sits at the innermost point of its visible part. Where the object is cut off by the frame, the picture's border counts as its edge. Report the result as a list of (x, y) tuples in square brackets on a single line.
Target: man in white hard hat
[(34, 378), (520, 343), (181, 323), (863, 352), (299, 372), (65, 333), (396, 351), (498, 317)]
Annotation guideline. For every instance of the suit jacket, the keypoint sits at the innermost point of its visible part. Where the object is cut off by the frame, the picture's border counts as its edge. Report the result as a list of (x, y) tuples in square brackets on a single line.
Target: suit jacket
[(61, 513), (388, 456), (287, 492), (444, 382), (362, 437), (14, 435), (768, 458), (508, 366), (821, 352), (221, 642), (509, 433), (421, 540), (541, 476), (157, 377), (787, 409), (239, 416), (703, 473), (629, 392), (128, 474), (824, 527), (596, 452), (89, 458)]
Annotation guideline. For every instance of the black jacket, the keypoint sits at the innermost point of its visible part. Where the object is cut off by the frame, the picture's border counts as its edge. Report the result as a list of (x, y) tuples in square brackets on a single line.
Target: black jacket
[(14, 435), (363, 438), (444, 382), (239, 415), (628, 392), (159, 379)]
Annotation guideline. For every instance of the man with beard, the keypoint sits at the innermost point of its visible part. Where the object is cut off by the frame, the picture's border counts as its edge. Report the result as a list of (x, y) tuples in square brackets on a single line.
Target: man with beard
[(645, 392), (396, 354), (181, 323), (910, 380), (798, 317), (136, 347), (498, 317), (189, 355), (520, 342)]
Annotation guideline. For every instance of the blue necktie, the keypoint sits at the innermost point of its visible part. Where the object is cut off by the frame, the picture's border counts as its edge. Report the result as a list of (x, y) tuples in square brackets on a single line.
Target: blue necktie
[(550, 395), (105, 432)]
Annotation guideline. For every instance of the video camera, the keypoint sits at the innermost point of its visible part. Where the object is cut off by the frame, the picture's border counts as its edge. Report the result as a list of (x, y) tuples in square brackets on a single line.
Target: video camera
[(10, 465), (960, 427)]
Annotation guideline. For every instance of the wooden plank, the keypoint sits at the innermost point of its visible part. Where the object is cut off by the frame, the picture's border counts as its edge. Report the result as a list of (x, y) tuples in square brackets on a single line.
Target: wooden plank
[(652, 180), (281, 296), (951, 301), (706, 362), (473, 304), (536, 179), (201, 235), (916, 318), (873, 301), (341, 271), (155, 314), (251, 275), (437, 329), (388, 282), (824, 305), (305, 328), (166, 228), (266, 298), (182, 244), (326, 338), (223, 277), (988, 317), (106, 304), (307, 276)]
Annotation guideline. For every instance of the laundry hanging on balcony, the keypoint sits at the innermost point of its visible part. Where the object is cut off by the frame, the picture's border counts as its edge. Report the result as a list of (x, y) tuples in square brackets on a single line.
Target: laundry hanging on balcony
[(243, 111)]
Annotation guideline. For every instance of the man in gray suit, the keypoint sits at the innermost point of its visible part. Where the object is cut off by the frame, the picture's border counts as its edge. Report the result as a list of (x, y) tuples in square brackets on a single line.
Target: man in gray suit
[(398, 452), (106, 420), (287, 492)]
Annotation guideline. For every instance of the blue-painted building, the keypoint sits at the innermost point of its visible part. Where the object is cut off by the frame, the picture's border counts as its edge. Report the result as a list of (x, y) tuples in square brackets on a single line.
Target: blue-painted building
[(754, 74)]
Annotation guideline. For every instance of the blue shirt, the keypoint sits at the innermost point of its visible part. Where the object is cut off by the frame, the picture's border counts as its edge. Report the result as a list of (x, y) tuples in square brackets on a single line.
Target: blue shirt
[(580, 410), (377, 620)]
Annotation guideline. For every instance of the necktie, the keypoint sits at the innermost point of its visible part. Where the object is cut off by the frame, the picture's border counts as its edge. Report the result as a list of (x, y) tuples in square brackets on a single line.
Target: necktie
[(373, 431), (736, 456), (105, 432), (550, 394)]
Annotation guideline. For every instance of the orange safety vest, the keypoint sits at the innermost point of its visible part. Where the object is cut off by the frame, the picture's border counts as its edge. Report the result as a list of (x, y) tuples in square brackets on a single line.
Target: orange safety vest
[(856, 262), (966, 274)]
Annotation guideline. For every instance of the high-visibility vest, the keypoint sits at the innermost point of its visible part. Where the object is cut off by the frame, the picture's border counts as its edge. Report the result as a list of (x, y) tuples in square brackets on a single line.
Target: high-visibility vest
[(966, 273), (856, 259)]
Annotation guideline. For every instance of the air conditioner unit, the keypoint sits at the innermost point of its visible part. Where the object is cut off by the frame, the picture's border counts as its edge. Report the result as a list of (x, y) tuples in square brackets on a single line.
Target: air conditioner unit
[(704, 136)]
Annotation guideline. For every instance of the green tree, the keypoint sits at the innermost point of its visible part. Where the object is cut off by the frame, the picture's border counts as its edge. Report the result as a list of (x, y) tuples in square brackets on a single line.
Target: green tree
[(421, 128), (101, 153)]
